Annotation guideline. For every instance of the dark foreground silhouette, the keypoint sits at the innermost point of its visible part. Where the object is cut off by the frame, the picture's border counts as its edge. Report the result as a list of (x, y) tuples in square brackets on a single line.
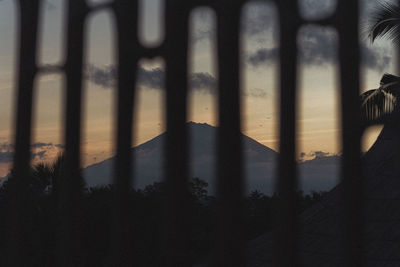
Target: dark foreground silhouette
[(147, 217)]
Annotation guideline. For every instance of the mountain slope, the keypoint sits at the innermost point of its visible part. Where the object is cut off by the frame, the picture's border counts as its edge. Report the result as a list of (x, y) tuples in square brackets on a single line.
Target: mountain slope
[(259, 166)]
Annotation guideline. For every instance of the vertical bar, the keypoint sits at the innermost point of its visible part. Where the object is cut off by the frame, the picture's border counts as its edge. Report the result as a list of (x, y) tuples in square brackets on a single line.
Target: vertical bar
[(230, 239), (397, 51), (285, 236), (176, 50), (126, 12), (18, 220), (348, 21), (71, 180)]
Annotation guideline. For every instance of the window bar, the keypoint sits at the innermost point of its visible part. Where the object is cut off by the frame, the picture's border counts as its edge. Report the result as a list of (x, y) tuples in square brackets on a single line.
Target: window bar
[(18, 221), (176, 143), (348, 19), (71, 180), (126, 12), (397, 51), (230, 236), (285, 236)]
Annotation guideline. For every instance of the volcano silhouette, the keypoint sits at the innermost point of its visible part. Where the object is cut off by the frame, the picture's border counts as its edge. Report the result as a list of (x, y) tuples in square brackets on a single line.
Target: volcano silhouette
[(260, 163)]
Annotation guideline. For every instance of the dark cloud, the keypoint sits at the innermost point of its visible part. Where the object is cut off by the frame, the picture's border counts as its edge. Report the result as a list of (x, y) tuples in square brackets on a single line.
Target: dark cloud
[(205, 25), (152, 78), (321, 154), (50, 5), (260, 19), (6, 152), (6, 157), (39, 155), (375, 59), (6, 147), (203, 81), (203, 34), (316, 154), (317, 47), (316, 9), (257, 92), (104, 77), (41, 145), (41, 148), (263, 55)]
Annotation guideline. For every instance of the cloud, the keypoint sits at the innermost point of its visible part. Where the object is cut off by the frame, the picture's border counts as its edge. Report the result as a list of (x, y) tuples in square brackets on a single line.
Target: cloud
[(375, 59), (316, 155), (316, 8), (6, 147), (40, 150), (40, 154), (153, 78), (6, 152), (149, 78), (6, 157), (203, 81), (104, 77), (204, 21), (41, 145), (259, 20), (317, 47), (262, 56), (321, 154), (50, 5), (257, 92)]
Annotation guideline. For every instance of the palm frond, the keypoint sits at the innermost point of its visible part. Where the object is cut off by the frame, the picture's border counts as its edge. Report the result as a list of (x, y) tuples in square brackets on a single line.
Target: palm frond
[(385, 22), (389, 78), (376, 103), (391, 84)]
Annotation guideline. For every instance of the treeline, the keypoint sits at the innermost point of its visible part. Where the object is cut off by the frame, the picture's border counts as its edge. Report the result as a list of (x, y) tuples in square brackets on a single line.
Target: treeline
[(146, 216)]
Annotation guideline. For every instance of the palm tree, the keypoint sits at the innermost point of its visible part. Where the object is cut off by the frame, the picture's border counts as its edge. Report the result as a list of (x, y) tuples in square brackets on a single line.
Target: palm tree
[(47, 175), (380, 104), (385, 22)]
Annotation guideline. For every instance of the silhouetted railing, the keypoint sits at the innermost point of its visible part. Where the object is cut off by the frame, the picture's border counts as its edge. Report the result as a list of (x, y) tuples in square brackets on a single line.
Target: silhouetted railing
[(230, 246)]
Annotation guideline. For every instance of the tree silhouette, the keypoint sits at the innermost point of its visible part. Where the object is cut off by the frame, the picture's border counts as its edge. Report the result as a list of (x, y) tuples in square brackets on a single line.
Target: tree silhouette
[(385, 22), (47, 175), (146, 215), (380, 104)]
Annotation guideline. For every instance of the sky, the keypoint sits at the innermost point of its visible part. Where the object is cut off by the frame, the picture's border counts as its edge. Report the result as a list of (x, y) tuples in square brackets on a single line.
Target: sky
[(318, 117)]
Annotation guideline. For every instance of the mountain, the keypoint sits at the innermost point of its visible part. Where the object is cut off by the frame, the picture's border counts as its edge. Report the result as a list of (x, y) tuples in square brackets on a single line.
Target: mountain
[(319, 174), (260, 164)]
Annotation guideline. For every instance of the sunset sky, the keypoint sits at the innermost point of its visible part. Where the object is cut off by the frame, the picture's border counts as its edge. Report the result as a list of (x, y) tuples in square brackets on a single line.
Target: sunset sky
[(319, 125)]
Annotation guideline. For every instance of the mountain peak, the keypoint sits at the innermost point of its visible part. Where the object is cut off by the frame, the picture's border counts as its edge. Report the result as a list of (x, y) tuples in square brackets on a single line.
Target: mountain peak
[(198, 124), (259, 163)]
